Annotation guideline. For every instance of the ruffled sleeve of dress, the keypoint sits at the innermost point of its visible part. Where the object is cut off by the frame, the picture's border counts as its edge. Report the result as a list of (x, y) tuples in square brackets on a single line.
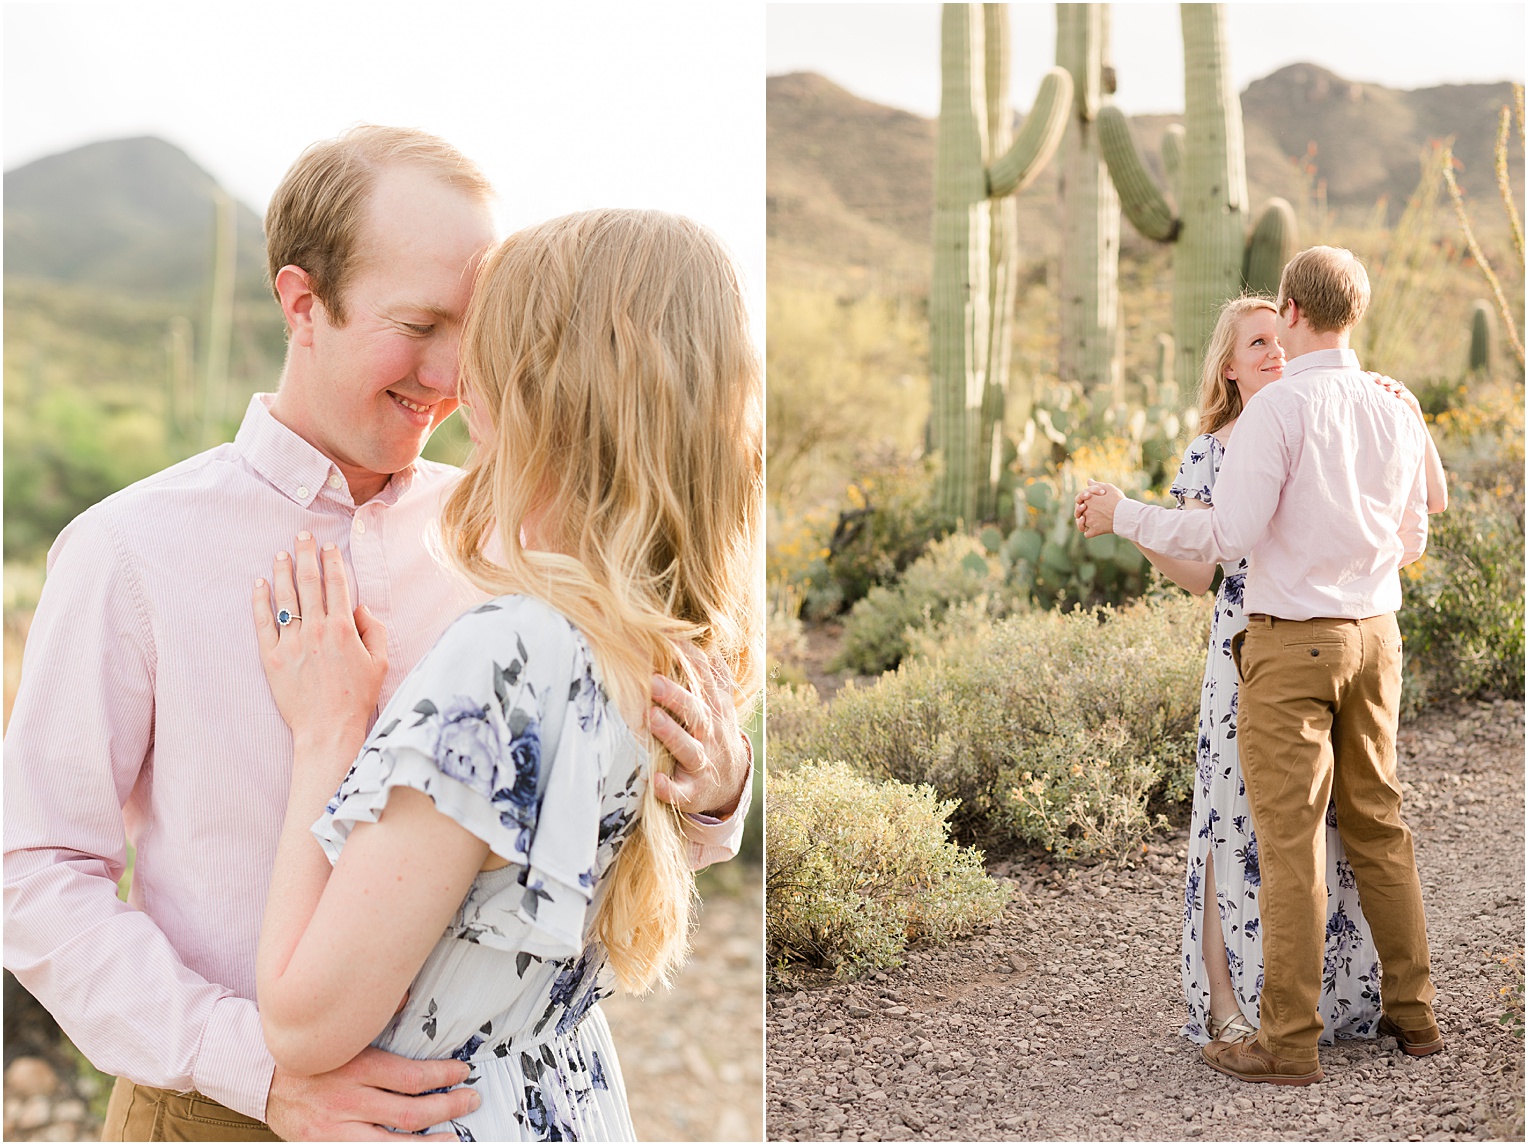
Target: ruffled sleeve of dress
[(506, 727), (1196, 475)]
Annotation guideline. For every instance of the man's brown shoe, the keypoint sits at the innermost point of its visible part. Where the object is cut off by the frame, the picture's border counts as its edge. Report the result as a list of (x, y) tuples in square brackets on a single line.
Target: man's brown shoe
[(1247, 1060), (1417, 1043)]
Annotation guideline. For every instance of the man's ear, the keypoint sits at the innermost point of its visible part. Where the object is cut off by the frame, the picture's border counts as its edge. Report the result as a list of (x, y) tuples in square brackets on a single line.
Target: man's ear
[(299, 304), (1292, 308)]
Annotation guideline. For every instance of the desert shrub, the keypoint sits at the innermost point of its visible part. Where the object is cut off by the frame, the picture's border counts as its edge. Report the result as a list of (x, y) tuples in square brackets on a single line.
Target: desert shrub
[(1051, 729), (791, 711), (886, 524), (1481, 440), (858, 869), (785, 635), (1462, 622), (954, 570)]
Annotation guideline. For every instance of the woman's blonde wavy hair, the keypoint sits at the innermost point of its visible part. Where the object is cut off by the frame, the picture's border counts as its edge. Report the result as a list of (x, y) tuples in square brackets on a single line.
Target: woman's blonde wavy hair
[(1220, 402), (610, 352)]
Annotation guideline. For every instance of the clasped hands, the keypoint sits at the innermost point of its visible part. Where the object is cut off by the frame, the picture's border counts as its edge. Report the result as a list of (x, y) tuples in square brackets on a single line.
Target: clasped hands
[(1095, 508)]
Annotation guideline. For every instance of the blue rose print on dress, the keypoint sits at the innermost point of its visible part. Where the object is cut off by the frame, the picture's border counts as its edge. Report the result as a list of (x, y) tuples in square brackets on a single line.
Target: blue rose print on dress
[(516, 800), (1248, 856), (1209, 823), (466, 746), (1231, 588)]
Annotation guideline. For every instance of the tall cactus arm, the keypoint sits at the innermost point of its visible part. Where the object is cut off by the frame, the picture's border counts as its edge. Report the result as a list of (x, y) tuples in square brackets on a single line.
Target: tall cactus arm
[(1272, 244), (1079, 30), (1142, 202), (1172, 158), (1037, 139)]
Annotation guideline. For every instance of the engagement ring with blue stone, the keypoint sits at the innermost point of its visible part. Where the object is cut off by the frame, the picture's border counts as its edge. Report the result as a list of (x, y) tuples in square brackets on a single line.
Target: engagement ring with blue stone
[(286, 616)]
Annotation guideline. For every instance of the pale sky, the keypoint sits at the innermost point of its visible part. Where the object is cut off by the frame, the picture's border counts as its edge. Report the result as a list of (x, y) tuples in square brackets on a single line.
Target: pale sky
[(566, 107), (889, 53)]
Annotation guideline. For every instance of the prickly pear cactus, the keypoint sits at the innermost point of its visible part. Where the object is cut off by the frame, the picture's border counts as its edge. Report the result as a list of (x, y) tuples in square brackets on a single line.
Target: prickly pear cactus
[(973, 274), (1206, 165), (1089, 271)]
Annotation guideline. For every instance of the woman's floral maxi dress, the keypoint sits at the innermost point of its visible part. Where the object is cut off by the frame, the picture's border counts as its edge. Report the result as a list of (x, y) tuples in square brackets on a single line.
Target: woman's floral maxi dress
[(505, 725), (1222, 828)]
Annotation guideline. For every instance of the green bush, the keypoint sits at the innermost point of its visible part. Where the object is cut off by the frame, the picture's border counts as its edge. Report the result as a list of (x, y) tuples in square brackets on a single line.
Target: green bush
[(953, 571), (887, 524), (858, 869), (1049, 729), (1462, 622)]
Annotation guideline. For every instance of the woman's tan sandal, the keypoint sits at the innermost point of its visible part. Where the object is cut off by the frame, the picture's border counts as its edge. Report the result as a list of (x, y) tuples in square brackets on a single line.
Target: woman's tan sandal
[(1230, 1029)]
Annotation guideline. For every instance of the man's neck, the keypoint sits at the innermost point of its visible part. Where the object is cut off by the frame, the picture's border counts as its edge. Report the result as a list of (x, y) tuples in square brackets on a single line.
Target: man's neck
[(364, 484), (1326, 340)]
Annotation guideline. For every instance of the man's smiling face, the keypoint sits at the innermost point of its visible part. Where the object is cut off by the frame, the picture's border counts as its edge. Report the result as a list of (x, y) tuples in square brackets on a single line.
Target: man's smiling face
[(385, 379)]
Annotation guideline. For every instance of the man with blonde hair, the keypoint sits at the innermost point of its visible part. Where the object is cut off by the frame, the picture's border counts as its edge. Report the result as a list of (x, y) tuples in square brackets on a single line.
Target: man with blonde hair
[(1324, 483), (144, 705)]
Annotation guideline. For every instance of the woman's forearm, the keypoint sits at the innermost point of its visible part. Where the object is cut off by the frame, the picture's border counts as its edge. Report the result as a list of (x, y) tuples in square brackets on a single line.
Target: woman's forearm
[(339, 948), (1437, 479), (1195, 576), (298, 879)]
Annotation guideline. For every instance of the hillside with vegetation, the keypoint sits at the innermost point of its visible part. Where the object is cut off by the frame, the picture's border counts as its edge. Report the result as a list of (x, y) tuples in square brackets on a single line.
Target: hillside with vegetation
[(138, 322)]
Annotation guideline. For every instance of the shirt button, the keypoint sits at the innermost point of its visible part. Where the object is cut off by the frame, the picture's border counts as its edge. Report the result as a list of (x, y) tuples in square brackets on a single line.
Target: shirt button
[(360, 525), (302, 491), (335, 481)]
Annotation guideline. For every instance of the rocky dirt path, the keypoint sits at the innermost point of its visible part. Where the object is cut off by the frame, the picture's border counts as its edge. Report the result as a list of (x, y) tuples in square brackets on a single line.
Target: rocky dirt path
[(1060, 1021), (693, 1057)]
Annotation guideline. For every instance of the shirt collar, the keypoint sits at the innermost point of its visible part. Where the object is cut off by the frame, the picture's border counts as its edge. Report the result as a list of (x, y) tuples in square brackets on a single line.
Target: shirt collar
[(293, 465), (1346, 359)]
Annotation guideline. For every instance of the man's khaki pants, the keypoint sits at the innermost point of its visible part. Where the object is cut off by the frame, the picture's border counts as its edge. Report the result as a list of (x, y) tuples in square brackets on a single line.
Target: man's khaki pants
[(142, 1113), (1317, 717)]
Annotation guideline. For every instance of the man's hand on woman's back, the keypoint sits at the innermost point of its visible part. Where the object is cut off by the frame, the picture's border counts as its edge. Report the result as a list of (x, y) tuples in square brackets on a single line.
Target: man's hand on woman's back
[(367, 1098)]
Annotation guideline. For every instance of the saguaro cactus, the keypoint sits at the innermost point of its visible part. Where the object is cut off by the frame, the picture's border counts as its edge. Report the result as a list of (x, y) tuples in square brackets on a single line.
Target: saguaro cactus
[(1089, 272), (1482, 337), (1206, 167), (970, 300), (1271, 245)]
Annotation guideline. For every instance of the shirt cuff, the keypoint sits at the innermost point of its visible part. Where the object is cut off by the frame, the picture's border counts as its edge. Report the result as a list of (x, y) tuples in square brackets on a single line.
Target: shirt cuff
[(715, 840), (232, 1065), (1127, 519)]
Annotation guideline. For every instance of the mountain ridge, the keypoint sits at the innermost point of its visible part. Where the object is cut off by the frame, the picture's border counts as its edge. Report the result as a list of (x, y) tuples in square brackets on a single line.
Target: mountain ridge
[(134, 214), (850, 182)]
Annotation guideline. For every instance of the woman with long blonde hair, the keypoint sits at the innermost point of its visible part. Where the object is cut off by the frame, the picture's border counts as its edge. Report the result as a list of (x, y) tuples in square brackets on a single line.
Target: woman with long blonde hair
[(499, 839)]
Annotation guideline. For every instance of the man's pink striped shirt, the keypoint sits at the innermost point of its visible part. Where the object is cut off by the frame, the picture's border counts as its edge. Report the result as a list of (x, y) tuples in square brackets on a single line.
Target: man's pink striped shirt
[(143, 703)]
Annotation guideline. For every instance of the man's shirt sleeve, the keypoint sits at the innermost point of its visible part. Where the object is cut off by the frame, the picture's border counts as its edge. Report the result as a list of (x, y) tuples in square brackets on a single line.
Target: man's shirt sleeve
[(79, 735), (1247, 491), (713, 840), (1413, 525)]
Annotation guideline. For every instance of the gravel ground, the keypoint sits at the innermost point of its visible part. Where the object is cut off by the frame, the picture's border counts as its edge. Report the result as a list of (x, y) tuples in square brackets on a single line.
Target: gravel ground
[(693, 1057), (1060, 1021)]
